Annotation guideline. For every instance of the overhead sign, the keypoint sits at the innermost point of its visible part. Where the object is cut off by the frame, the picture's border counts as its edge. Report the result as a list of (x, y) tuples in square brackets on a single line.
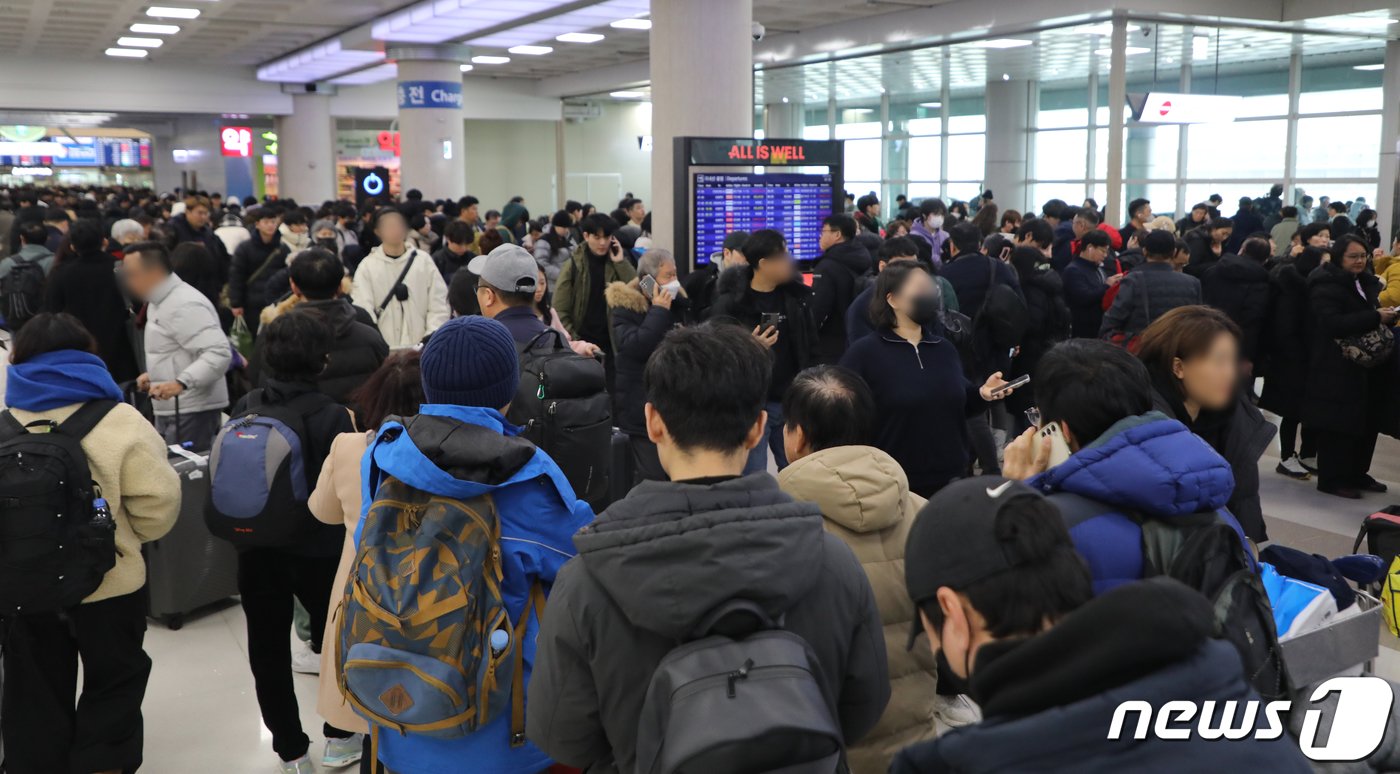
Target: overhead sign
[(746, 152), (236, 141), (430, 94), (370, 183), (1160, 107), (389, 142)]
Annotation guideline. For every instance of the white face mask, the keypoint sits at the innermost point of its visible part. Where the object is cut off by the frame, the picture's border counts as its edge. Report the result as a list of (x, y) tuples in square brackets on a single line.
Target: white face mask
[(935, 222), (673, 287)]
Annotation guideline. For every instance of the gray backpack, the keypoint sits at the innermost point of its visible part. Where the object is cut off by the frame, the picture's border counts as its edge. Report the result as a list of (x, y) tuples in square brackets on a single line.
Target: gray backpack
[(743, 696)]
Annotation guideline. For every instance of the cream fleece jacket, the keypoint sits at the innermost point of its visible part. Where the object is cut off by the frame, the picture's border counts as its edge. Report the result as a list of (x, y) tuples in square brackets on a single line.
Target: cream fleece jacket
[(128, 460)]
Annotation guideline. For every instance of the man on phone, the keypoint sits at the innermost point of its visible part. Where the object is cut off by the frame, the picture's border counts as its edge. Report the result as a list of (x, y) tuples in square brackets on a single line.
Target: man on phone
[(595, 264)]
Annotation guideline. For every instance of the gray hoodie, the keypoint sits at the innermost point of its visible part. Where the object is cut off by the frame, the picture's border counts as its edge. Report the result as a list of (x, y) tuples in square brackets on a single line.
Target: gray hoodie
[(650, 568)]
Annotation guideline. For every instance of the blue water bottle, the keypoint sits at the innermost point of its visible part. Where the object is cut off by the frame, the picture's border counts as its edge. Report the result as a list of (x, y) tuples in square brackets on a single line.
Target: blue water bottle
[(500, 640)]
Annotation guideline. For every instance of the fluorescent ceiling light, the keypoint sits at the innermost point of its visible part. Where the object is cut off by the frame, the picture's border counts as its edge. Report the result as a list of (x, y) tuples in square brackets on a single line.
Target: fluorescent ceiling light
[(1356, 22), (140, 42), (132, 53), (1103, 28), (492, 60), (384, 72), (547, 29), (172, 12), (1369, 67), (466, 68), (931, 105), (579, 37), (317, 63), (1002, 43), (632, 24), (154, 29), (627, 94), (1128, 51), (531, 50), (440, 21)]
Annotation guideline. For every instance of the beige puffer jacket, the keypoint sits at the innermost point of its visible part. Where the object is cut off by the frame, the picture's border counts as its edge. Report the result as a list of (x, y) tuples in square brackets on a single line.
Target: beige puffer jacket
[(865, 499)]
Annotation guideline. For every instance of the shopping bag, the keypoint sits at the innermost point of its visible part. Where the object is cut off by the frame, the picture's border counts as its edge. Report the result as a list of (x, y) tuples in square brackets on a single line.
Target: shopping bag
[(241, 338)]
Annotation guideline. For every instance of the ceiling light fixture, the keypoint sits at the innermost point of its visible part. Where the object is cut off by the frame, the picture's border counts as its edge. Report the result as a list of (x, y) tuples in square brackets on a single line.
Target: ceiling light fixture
[(154, 29), (1103, 28), (1369, 67), (1128, 51), (130, 53), (531, 50), (140, 42), (631, 24), (1002, 43), (579, 37), (172, 12), (931, 105), (491, 60), (626, 94), (466, 68)]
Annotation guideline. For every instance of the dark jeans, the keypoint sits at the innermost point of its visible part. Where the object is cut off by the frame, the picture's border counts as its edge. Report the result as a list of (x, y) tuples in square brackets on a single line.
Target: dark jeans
[(198, 428), (645, 460), (1288, 437), (44, 732), (268, 579), (1344, 459), (984, 444), (772, 439)]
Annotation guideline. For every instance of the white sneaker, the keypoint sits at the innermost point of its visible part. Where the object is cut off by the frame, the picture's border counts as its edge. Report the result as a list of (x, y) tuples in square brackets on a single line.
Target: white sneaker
[(305, 660), (951, 712), (1292, 468), (343, 752), (302, 765), (1308, 463)]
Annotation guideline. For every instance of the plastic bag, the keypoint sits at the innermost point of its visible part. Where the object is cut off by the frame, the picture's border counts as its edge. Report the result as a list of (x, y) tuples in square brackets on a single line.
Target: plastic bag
[(1390, 596), (241, 338)]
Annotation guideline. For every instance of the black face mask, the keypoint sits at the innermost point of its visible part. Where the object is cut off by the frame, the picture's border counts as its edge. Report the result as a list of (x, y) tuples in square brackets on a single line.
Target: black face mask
[(925, 309), (328, 243)]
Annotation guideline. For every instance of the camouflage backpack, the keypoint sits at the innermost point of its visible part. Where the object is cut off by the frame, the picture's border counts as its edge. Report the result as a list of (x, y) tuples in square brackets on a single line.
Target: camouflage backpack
[(426, 641)]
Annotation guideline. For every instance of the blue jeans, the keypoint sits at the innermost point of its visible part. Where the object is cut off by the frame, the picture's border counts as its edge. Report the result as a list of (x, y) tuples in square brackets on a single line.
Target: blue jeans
[(772, 438)]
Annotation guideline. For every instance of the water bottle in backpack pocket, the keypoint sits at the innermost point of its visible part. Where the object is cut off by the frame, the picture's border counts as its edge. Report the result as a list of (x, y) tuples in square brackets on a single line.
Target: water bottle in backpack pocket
[(259, 474)]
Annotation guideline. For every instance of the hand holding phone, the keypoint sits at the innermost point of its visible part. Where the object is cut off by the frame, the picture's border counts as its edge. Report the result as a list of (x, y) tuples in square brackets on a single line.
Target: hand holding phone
[(770, 319), (1014, 384), (648, 286), (616, 250)]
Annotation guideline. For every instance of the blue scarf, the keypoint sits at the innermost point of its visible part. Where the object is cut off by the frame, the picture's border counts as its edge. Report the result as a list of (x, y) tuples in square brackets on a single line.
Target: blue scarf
[(59, 378)]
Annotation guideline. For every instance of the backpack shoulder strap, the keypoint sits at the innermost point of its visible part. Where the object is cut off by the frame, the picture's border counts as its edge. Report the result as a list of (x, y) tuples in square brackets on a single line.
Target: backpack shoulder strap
[(532, 343), (82, 421), (536, 604), (10, 427)]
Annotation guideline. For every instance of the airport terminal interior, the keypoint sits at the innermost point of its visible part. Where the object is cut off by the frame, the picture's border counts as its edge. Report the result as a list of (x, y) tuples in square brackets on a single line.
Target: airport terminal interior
[(1258, 140)]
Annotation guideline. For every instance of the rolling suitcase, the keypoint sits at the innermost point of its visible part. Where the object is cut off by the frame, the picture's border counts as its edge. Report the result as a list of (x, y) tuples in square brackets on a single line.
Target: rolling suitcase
[(189, 568)]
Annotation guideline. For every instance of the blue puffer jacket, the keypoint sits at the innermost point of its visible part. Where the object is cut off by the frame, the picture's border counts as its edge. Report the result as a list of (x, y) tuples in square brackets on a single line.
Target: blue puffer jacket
[(1147, 464), (539, 516)]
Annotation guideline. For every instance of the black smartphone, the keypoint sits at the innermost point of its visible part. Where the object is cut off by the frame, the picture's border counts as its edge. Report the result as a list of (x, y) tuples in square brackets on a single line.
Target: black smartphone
[(1019, 381), (770, 320)]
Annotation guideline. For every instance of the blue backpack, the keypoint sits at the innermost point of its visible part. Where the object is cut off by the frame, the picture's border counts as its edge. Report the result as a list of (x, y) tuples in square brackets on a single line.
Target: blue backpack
[(259, 474)]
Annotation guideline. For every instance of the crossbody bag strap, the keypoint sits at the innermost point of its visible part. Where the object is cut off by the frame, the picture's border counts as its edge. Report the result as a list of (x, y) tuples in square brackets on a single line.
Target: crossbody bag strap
[(413, 253), (81, 422), (270, 258), (991, 283), (517, 689)]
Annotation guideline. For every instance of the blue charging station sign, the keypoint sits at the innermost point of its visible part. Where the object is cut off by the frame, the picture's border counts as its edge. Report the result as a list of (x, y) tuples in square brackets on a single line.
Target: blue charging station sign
[(430, 94), (370, 183)]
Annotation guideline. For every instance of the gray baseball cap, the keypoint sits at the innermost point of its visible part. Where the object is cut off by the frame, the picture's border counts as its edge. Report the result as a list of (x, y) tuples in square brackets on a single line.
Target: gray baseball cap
[(509, 267)]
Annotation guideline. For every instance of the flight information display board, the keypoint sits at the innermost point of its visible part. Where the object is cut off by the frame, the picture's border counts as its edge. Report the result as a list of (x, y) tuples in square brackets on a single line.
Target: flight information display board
[(89, 152), (793, 204)]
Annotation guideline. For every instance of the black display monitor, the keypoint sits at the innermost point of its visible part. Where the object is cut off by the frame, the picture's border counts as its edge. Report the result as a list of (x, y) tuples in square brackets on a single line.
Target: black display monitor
[(792, 204)]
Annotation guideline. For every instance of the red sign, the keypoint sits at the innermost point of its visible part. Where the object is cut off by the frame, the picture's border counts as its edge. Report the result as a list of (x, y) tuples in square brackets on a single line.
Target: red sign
[(389, 141), (768, 154), (236, 141), (1166, 107)]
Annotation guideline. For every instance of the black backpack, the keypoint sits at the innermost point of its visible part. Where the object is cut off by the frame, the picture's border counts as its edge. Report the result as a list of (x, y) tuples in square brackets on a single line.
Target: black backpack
[(22, 292), (56, 543), (563, 404), (1203, 551), (743, 696), (1003, 314)]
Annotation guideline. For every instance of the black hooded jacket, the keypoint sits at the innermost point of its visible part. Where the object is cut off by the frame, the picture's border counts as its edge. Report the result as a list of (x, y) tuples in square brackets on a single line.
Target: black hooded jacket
[(1243, 289), (357, 352), (834, 289), (85, 286), (651, 567)]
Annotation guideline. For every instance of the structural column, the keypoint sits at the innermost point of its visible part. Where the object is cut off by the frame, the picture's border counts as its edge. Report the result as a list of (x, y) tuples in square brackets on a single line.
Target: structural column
[(1388, 195), (306, 146), (1009, 110), (701, 85), (431, 156), (1117, 98), (781, 120)]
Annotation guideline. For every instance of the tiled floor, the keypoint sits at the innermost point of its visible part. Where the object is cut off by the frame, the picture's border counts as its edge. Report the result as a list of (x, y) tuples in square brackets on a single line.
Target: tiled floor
[(201, 715)]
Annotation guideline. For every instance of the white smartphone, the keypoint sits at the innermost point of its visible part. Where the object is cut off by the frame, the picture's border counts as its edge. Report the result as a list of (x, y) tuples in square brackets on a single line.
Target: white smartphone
[(1059, 448)]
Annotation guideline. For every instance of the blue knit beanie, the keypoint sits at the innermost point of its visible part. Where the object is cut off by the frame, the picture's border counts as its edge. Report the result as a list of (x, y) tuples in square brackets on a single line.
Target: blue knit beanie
[(470, 361)]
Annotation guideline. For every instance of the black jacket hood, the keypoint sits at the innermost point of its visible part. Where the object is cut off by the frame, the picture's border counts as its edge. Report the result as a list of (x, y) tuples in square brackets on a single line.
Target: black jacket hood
[(671, 552), (852, 255), (337, 312), (1237, 268)]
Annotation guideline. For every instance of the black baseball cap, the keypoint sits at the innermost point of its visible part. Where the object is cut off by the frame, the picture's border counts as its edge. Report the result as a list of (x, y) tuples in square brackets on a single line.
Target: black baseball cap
[(954, 540), (735, 240)]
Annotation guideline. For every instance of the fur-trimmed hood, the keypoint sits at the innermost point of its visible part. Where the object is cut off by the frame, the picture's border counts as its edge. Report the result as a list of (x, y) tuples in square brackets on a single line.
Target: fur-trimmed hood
[(628, 295)]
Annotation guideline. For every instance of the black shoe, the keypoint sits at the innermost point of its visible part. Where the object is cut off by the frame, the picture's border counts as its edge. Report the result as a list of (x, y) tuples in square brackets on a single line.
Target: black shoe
[(1350, 494), (1372, 485)]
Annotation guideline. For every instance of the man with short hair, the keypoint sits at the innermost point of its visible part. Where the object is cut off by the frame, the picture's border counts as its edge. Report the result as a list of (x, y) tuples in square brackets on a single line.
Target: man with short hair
[(469, 211), (1283, 231), (598, 262), (868, 213), (193, 225), (842, 262), (1197, 218), (33, 238), (1085, 283), (187, 353), (456, 251), (1150, 291), (1037, 233), (507, 278), (254, 263), (858, 324), (636, 211), (706, 537), (1139, 213), (702, 284), (1051, 667), (57, 222)]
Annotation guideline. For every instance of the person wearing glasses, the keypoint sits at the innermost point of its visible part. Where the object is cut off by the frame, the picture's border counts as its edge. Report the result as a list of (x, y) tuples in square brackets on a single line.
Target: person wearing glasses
[(1344, 401)]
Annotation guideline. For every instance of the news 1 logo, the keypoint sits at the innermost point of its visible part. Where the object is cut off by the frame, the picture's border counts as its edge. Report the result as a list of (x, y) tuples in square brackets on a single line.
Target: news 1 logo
[(1357, 726), (236, 141)]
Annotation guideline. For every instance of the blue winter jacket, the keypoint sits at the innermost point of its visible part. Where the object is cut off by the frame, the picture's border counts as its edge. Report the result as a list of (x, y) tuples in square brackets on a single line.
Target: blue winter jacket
[(1147, 464), (539, 516)]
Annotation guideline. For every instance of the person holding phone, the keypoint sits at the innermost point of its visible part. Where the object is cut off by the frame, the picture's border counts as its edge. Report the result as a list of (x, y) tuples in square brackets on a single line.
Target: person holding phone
[(579, 293), (916, 376)]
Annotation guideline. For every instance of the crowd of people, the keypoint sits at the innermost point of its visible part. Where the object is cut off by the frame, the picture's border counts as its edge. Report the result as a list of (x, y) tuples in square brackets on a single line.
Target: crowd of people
[(906, 489)]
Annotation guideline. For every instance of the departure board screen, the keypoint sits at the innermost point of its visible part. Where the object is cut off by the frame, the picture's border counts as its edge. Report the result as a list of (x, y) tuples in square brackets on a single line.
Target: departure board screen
[(792, 204)]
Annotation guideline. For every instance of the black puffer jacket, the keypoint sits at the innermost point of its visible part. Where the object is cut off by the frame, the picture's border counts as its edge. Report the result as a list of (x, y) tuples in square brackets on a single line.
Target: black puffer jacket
[(833, 291), (638, 327), (1341, 396), (734, 303), (248, 287), (1290, 339), (1044, 292), (1243, 289), (179, 231), (357, 352), (651, 567), (85, 286), (1149, 292)]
